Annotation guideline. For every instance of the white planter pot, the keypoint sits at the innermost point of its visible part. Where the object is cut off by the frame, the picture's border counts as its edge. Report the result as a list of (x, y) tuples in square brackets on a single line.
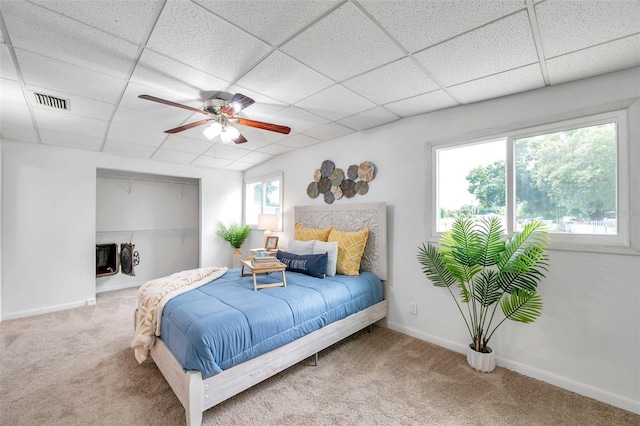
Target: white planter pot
[(237, 255), (485, 363)]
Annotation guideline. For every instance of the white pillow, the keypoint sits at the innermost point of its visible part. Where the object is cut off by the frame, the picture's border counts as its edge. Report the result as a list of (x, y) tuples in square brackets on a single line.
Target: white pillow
[(332, 251), (300, 247)]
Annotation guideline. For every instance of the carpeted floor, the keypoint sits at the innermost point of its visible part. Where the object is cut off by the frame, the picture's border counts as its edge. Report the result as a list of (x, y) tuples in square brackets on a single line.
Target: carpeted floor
[(76, 368)]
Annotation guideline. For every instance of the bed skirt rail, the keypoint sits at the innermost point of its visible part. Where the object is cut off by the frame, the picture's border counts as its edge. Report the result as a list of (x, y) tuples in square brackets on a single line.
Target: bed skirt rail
[(197, 395)]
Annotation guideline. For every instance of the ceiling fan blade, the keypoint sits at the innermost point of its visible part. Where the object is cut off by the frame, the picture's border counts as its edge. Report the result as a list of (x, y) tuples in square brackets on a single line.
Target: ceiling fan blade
[(189, 126), (166, 102), (262, 125), (240, 139), (237, 103)]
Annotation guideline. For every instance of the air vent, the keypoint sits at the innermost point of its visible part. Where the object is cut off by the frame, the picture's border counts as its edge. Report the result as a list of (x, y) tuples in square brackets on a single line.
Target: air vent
[(51, 101)]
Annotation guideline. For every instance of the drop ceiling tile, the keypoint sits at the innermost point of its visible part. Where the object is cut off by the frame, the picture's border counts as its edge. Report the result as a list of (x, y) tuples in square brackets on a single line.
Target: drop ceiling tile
[(608, 57), (227, 151), (65, 122), (131, 100), (216, 163), (284, 79), (11, 91), (111, 16), (14, 114), (367, 119), (264, 19), (566, 26), (174, 156), (18, 133), (421, 104), (275, 149), (41, 31), (240, 166), (335, 102), (328, 131), (182, 144), (418, 24), (162, 73), (192, 35), (397, 80), (146, 120), (7, 70), (299, 141), (128, 149), (137, 135), (256, 157), (343, 44), (497, 47), (78, 105), (70, 140), (506, 83), (298, 119), (41, 71)]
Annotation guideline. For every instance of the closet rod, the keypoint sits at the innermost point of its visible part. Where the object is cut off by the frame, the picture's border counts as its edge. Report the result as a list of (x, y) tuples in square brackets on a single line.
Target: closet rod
[(149, 180)]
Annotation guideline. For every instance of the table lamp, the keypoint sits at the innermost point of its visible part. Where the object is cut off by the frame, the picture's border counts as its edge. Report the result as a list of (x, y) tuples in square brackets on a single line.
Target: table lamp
[(267, 222)]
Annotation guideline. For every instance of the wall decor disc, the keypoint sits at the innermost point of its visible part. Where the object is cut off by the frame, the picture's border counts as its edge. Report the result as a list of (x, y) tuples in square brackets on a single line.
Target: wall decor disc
[(324, 185), (352, 172), (337, 192), (327, 168), (312, 190), (366, 171), (328, 197), (348, 188), (317, 175), (336, 177), (362, 187)]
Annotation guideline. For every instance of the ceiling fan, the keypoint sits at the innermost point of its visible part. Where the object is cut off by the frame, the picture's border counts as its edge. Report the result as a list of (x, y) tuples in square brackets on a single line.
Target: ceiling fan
[(222, 116)]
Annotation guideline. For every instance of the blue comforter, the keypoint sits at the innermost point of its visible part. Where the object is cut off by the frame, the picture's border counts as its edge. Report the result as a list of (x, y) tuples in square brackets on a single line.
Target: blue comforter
[(224, 323)]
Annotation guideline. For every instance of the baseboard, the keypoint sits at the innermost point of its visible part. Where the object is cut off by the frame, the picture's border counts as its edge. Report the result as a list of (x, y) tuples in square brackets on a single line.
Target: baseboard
[(526, 370), (48, 309)]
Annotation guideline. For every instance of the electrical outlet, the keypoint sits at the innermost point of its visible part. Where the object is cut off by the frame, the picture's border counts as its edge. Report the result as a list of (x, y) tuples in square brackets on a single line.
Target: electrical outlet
[(413, 309)]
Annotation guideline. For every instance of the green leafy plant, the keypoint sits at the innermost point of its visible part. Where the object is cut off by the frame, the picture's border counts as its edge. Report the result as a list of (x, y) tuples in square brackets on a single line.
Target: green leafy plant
[(236, 234), (489, 270)]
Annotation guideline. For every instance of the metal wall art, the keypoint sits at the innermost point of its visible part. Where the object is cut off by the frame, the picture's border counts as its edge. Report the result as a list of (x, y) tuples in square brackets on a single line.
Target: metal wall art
[(333, 184)]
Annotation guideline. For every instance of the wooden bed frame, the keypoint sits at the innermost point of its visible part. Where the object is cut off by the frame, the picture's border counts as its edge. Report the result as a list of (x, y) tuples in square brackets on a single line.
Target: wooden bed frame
[(198, 395)]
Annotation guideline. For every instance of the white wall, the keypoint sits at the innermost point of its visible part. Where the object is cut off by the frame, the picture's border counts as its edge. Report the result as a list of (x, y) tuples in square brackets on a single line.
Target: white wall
[(588, 338), (49, 222)]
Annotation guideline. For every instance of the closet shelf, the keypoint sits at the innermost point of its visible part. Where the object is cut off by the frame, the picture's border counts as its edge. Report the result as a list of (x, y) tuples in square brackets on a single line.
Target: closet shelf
[(151, 231)]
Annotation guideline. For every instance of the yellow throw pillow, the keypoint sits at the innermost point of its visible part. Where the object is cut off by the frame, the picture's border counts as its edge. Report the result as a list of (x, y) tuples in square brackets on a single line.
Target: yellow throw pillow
[(303, 233), (350, 249)]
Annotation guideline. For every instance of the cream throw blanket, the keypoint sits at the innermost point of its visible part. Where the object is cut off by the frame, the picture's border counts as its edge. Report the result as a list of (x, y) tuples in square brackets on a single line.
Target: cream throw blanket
[(154, 294)]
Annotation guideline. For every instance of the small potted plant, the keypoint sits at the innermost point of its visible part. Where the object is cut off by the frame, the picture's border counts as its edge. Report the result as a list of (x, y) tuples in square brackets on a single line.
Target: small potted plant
[(235, 234), (488, 271)]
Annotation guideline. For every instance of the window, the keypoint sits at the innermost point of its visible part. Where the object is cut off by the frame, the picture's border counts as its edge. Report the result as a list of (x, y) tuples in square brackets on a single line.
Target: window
[(566, 174), (263, 196)]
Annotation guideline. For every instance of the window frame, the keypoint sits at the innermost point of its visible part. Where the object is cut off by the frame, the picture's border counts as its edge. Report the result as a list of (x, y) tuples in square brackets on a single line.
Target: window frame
[(262, 180), (619, 243)]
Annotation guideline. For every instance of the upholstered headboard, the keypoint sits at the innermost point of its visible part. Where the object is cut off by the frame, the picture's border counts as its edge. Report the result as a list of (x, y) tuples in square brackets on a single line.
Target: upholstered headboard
[(354, 217)]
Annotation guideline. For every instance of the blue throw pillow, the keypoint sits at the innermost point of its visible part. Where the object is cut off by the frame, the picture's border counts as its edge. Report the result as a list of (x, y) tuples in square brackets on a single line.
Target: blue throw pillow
[(309, 264)]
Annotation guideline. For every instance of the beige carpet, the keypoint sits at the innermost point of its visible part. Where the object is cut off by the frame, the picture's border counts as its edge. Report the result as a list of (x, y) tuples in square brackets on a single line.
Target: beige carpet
[(76, 368)]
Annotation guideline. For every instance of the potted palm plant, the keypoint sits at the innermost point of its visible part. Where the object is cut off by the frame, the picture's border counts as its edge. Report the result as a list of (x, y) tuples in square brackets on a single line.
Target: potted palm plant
[(488, 270), (235, 234)]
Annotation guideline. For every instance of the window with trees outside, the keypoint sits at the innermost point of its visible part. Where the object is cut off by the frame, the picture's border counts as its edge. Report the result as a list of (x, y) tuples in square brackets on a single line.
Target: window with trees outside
[(263, 196), (566, 174)]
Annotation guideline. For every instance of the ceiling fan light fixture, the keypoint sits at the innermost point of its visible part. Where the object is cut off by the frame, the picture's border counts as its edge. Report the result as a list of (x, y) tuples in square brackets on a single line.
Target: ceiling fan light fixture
[(235, 107), (212, 131), (228, 134)]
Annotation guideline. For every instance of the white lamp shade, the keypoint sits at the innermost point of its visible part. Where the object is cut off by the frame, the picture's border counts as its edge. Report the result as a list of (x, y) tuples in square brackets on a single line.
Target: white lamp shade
[(267, 222), (213, 130)]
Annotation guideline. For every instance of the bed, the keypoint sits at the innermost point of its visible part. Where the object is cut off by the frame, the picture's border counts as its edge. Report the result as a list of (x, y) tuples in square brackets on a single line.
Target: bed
[(202, 386)]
